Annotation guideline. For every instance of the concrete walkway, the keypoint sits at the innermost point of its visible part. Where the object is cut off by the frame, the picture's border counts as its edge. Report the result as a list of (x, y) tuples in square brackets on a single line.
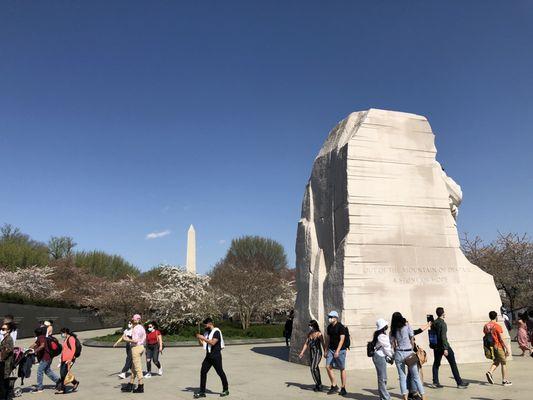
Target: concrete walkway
[(261, 372)]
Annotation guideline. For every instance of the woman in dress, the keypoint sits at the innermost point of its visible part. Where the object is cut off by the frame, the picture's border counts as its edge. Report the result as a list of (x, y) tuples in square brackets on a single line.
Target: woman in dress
[(315, 344), (523, 337)]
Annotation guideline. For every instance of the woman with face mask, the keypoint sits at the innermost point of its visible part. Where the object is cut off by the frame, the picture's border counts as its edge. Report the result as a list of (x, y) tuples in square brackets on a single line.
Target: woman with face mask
[(154, 346), (68, 357), (127, 364), (315, 344), (6, 358)]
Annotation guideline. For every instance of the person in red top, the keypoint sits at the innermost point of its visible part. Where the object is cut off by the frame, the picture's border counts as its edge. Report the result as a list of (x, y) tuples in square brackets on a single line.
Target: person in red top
[(154, 347), (501, 351), (67, 361)]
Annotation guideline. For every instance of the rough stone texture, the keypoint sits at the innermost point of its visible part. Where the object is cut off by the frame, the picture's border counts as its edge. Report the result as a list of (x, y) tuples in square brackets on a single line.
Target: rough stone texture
[(191, 250), (377, 234)]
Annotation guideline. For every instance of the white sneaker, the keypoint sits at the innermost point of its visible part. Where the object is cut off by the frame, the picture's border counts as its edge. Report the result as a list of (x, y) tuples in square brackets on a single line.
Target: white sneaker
[(122, 375), (148, 375), (160, 372)]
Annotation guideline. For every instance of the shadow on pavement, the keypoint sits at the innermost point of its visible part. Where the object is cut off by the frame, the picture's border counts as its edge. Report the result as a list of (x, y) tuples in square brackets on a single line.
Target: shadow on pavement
[(197, 389), (279, 352), (375, 392), (302, 386)]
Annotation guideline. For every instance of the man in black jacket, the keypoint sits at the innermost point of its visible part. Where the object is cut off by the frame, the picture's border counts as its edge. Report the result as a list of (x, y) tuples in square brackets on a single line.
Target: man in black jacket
[(443, 348)]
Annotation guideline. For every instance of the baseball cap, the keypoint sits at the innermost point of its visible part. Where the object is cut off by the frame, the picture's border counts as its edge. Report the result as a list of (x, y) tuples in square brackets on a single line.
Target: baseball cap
[(333, 314), (136, 317)]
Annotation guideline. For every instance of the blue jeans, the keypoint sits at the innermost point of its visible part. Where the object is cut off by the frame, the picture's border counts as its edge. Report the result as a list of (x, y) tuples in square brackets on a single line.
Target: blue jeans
[(399, 358), (338, 363), (44, 368), (381, 369)]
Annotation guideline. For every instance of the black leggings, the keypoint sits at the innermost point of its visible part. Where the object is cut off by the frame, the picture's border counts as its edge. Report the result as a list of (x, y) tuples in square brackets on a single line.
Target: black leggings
[(214, 361), (63, 370), (127, 364), (152, 354), (315, 354)]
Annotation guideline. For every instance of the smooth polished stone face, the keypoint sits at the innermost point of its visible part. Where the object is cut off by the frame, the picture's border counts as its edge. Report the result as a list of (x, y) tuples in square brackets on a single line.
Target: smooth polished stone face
[(378, 234)]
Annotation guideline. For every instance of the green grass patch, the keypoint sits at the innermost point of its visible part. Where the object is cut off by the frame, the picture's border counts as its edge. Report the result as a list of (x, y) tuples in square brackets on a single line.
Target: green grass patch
[(229, 330)]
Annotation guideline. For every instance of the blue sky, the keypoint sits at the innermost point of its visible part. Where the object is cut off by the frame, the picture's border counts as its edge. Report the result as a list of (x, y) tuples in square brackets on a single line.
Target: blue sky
[(123, 118)]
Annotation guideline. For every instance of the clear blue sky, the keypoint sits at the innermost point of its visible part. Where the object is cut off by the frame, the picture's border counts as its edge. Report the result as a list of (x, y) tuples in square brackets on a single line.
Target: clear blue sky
[(122, 118)]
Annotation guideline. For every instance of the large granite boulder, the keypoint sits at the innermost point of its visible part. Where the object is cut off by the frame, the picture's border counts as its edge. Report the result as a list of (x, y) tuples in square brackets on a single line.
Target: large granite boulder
[(378, 234)]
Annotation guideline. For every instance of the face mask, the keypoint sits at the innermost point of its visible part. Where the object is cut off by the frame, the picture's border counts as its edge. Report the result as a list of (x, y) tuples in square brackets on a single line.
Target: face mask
[(150, 329), (130, 325), (63, 335), (2, 332), (331, 320), (310, 329)]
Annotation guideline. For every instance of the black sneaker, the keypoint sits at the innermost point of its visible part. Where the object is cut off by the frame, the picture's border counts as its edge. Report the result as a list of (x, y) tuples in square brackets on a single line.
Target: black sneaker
[(342, 392), (224, 393), (463, 385), (437, 386), (333, 389), (127, 388), (139, 389), (317, 388), (507, 383), (198, 395), (490, 379)]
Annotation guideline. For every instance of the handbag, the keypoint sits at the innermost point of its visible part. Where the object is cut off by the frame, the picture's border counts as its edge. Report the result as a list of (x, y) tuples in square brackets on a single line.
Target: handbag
[(411, 359), (421, 354)]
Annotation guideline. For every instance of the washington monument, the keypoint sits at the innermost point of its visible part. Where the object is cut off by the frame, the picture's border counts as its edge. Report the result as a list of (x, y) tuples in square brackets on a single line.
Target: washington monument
[(191, 250)]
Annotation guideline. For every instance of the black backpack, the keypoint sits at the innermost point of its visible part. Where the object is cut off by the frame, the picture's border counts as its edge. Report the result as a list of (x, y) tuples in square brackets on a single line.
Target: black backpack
[(488, 344), (77, 352), (346, 337), (53, 346), (370, 348)]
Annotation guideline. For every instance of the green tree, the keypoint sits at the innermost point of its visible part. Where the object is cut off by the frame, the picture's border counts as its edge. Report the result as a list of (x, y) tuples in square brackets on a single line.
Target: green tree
[(105, 265), (60, 247), (18, 250), (249, 281)]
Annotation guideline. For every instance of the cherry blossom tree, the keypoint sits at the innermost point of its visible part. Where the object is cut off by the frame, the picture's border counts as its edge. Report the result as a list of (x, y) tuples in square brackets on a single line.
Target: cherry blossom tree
[(180, 298), (32, 282)]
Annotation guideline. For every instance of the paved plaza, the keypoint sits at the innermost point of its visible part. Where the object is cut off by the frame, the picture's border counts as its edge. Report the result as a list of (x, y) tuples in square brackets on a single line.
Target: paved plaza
[(262, 372)]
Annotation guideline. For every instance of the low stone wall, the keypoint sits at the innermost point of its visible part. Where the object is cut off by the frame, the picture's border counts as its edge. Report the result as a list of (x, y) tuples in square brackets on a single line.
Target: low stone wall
[(27, 318)]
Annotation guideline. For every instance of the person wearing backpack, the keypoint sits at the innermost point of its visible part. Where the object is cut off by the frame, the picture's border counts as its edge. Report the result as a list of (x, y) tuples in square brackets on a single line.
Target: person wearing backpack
[(381, 353), (336, 345), (493, 330), (443, 349), (45, 354), (71, 350)]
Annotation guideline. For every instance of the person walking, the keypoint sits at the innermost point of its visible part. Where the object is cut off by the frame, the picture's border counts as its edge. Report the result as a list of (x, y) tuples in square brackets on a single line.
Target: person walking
[(336, 352), (315, 344), (383, 354), (68, 357), (443, 348), (501, 351), (523, 337), (154, 347), (213, 343), (41, 348), (126, 335), (137, 341), (287, 329), (6, 359), (402, 340)]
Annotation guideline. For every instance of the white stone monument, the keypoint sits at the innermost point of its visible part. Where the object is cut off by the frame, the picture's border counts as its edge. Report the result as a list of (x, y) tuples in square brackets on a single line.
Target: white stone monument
[(191, 250), (377, 234)]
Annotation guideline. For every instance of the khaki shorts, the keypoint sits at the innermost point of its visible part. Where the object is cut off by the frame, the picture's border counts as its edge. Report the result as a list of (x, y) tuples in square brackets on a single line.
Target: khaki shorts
[(499, 356)]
